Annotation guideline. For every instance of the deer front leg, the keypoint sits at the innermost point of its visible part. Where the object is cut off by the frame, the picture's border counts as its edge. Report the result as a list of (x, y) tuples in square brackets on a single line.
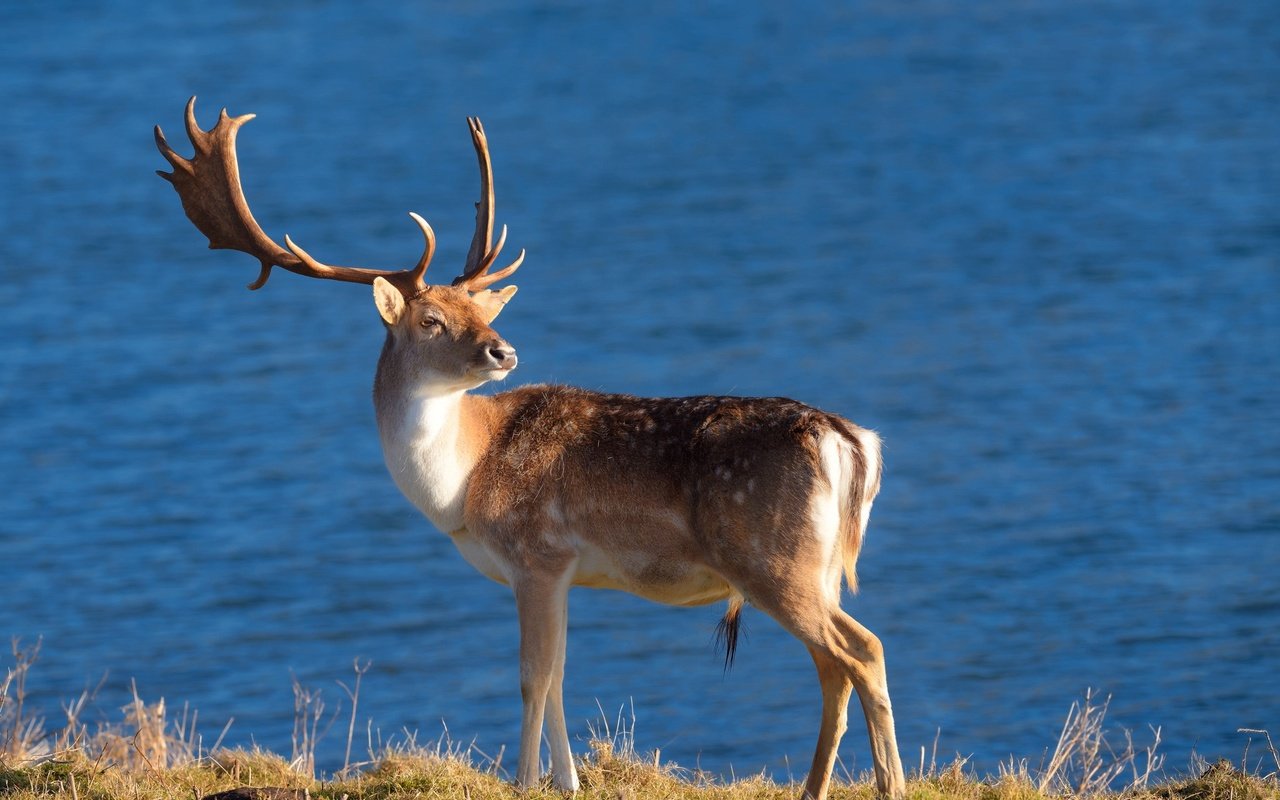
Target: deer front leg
[(564, 775), (542, 606)]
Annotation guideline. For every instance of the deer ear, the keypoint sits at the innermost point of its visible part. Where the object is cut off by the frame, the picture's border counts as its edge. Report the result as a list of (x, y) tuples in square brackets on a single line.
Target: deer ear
[(491, 302), (390, 302)]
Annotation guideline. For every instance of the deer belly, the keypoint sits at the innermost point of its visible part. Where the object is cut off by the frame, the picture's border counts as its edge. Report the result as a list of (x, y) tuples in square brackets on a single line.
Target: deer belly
[(475, 553), (660, 577)]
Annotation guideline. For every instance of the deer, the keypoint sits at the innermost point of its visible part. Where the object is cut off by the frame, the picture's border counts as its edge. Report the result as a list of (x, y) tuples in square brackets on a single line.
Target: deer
[(685, 501)]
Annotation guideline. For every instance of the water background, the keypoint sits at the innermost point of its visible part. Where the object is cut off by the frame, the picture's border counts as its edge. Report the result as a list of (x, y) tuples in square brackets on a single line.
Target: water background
[(1035, 244)]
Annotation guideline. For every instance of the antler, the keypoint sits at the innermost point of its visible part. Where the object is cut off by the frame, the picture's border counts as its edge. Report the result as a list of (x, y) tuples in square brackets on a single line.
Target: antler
[(209, 185), (475, 274)]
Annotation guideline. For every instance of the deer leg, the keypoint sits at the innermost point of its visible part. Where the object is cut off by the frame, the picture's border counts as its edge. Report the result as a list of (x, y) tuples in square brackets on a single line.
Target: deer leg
[(836, 690), (564, 775), (848, 656), (541, 605), (861, 654)]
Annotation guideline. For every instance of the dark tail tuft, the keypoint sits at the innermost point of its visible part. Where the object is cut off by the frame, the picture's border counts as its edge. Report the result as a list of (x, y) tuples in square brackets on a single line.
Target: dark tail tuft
[(727, 631)]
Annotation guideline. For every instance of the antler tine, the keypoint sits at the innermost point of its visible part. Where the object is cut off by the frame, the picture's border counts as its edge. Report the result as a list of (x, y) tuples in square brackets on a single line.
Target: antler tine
[(428, 251), (483, 253), (176, 161), (200, 139), (484, 281), (492, 255), (213, 198), (317, 268)]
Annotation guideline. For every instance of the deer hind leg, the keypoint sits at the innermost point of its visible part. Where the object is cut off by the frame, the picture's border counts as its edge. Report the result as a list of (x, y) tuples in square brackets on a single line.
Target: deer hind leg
[(836, 689), (863, 658), (542, 607), (848, 657)]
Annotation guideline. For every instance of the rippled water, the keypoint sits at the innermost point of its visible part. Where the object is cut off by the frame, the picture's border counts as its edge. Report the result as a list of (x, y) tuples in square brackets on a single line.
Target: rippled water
[(1035, 245)]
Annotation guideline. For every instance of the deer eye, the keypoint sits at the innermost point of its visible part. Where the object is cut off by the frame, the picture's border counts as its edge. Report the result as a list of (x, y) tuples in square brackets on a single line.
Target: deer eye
[(431, 323)]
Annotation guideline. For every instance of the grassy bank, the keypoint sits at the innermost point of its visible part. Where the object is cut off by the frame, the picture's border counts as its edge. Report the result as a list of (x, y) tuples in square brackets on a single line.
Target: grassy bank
[(605, 774), (148, 755)]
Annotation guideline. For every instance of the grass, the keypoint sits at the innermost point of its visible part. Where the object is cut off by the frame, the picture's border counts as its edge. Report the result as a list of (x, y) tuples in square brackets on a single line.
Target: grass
[(150, 756)]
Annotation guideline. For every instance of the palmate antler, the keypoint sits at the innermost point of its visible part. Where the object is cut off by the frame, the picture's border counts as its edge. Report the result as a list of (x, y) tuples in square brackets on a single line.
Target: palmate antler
[(212, 196)]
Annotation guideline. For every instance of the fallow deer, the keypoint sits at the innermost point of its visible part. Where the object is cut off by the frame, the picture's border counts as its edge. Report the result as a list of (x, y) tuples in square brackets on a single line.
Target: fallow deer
[(685, 501)]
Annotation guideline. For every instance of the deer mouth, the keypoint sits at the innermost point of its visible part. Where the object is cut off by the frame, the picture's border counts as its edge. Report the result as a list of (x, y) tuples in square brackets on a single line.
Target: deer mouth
[(495, 372)]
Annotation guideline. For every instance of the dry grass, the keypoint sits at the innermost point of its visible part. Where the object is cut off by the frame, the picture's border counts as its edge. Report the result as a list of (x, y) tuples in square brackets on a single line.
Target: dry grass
[(606, 775), (148, 756)]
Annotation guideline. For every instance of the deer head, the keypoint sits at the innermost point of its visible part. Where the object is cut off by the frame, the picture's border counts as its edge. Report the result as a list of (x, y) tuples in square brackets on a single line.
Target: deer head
[(445, 327), (439, 340)]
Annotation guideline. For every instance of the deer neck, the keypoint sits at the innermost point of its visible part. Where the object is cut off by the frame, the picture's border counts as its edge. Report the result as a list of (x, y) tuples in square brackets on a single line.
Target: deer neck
[(431, 441)]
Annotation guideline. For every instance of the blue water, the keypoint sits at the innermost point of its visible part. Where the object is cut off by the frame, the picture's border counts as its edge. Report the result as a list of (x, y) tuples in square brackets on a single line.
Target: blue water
[(1035, 244)]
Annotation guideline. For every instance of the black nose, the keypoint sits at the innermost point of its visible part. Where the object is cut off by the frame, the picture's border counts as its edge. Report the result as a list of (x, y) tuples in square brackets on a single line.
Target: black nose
[(503, 355)]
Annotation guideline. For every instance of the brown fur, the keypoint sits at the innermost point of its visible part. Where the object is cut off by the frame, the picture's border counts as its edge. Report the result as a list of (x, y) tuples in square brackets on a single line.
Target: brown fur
[(558, 442), (686, 501)]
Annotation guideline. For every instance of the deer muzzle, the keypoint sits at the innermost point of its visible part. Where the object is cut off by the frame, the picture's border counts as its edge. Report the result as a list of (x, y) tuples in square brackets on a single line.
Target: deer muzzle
[(500, 356)]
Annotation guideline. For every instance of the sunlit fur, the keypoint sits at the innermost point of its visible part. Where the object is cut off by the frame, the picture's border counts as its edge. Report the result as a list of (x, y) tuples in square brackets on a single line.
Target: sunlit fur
[(684, 501)]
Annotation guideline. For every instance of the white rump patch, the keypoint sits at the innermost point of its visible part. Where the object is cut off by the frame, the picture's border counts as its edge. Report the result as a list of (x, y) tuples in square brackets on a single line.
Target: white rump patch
[(828, 500), (870, 443), (828, 503)]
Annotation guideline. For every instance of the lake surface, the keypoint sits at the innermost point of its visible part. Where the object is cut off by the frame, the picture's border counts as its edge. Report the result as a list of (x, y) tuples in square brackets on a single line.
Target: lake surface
[(1036, 245)]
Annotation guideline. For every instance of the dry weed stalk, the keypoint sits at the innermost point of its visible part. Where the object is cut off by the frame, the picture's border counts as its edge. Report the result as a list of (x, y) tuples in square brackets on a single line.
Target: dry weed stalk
[(621, 736), (354, 694), (22, 738), (74, 733), (1275, 754), (932, 771), (145, 739), (308, 708), (148, 723), (1085, 764)]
